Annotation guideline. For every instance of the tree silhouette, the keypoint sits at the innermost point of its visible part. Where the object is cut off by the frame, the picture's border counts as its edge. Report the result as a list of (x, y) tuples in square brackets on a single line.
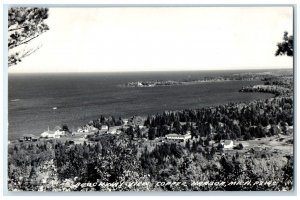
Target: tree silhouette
[(286, 47), (24, 25)]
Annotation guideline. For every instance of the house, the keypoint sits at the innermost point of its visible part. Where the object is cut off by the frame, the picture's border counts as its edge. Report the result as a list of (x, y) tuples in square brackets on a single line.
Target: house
[(182, 123), (125, 121), (177, 137), (104, 128), (112, 131), (53, 134), (227, 144), (28, 137), (87, 129), (48, 134), (59, 133), (44, 134), (142, 127)]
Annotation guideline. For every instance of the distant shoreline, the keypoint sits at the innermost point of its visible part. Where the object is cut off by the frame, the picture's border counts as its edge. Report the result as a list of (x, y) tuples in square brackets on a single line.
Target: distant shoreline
[(176, 71), (170, 83)]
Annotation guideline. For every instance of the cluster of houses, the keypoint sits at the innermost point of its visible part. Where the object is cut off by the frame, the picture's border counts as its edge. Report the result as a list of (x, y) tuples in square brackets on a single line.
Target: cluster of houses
[(227, 144), (84, 132), (89, 132), (46, 134)]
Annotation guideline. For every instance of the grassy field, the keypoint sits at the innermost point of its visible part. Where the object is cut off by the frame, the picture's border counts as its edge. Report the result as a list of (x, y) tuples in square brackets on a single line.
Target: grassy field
[(280, 143)]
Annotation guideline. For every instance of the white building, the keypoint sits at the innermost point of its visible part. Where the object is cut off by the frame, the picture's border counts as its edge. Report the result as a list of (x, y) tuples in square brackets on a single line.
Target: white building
[(125, 121), (87, 129), (59, 133), (44, 134), (104, 128), (139, 84), (113, 130), (53, 134), (174, 136), (227, 144)]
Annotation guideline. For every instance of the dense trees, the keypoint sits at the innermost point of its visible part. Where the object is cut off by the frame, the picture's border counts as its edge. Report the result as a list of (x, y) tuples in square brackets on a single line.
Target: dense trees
[(286, 47), (57, 166), (231, 121), (109, 121), (24, 25)]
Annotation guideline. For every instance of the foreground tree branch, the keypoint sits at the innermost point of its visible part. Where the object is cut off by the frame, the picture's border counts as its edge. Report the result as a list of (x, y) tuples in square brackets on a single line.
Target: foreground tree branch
[(24, 25)]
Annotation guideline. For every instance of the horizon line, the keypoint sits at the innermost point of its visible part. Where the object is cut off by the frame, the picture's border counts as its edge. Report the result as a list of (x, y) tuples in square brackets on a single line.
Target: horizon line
[(154, 71)]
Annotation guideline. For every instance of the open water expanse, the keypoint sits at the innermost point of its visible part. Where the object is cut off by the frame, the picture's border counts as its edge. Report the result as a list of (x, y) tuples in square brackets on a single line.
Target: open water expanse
[(81, 97)]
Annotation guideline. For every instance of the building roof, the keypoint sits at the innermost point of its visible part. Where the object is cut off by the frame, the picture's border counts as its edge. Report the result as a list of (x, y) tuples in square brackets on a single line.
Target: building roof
[(178, 135), (173, 135)]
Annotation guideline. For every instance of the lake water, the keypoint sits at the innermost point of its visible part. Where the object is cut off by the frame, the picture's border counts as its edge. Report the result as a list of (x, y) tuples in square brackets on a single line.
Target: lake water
[(80, 98)]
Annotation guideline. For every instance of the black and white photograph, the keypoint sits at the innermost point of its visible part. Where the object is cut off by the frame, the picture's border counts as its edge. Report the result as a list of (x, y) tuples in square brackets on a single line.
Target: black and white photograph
[(150, 98)]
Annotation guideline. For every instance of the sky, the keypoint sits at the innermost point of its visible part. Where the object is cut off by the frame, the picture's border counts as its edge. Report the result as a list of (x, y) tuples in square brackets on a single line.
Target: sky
[(160, 39)]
